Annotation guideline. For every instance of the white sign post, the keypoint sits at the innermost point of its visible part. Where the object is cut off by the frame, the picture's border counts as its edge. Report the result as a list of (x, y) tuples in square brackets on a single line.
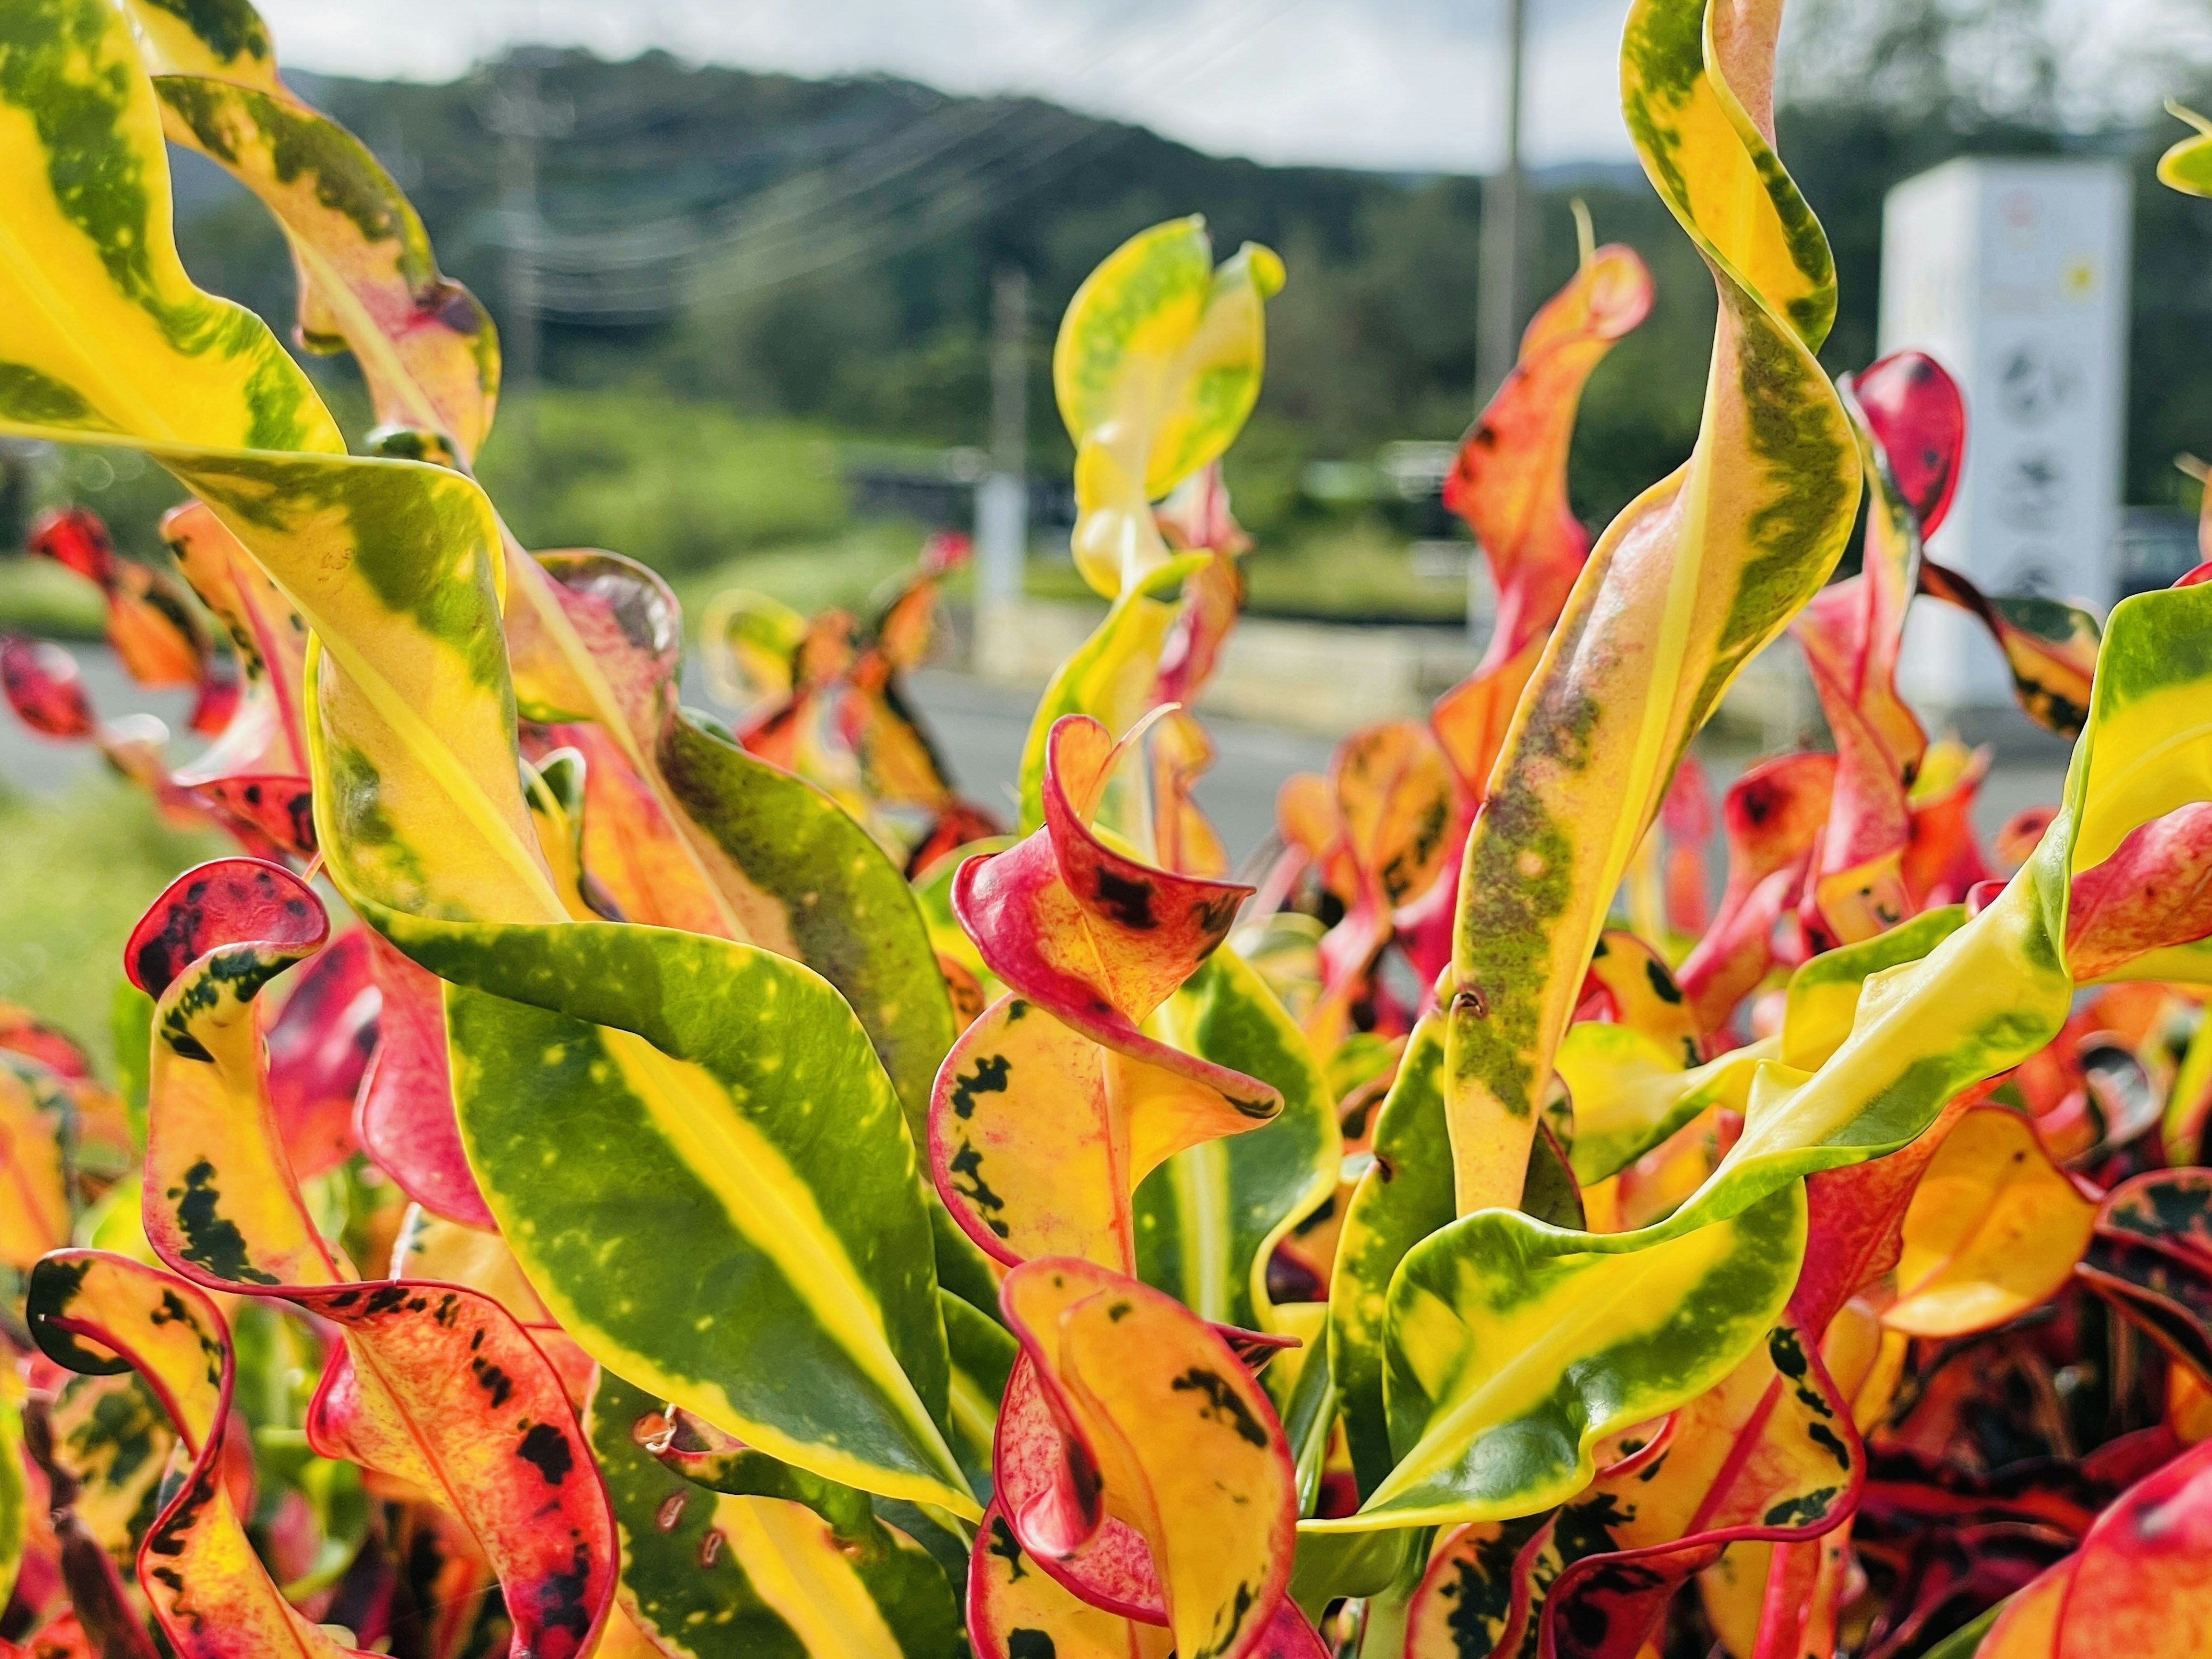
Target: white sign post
[(2013, 276)]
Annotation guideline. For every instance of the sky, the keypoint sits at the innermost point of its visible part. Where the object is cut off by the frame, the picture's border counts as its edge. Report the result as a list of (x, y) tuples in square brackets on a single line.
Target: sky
[(1396, 84)]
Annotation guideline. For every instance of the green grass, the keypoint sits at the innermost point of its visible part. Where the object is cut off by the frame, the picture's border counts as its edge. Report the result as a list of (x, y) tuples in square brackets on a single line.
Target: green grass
[(681, 486), (77, 871)]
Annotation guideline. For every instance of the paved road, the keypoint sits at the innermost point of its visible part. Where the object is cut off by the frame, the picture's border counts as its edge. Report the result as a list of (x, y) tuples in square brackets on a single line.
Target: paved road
[(979, 728)]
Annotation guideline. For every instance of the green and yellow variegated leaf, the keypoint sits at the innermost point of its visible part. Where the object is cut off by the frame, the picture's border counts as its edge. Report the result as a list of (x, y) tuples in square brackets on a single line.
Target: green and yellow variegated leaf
[(1156, 365), (225, 39), (368, 280), (1691, 581), (1209, 1218), (1109, 677), (1768, 1451), (772, 1161), (1631, 1092), (15, 1507), (1513, 1348), (1403, 1197), (369, 283), (104, 286), (847, 910), (2187, 167), (983, 1353), (1940, 1005), (810, 1190), (759, 1571)]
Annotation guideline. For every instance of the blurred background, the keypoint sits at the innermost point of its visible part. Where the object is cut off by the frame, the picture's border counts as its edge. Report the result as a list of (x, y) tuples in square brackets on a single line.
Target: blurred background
[(766, 277)]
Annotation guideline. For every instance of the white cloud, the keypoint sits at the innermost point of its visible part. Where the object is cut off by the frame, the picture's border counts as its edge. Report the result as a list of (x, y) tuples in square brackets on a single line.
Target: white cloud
[(1410, 84), (1382, 83)]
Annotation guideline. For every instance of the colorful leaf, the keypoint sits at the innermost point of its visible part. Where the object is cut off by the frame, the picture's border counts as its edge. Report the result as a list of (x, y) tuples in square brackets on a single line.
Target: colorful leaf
[(2051, 648), (2132, 1587), (257, 769), (38, 1126), (1162, 1428), (1692, 581), (156, 634), (754, 1567), (222, 1209), (97, 1313), (2151, 1257), (1994, 1229), (1509, 482), (1056, 1103), (1768, 1453)]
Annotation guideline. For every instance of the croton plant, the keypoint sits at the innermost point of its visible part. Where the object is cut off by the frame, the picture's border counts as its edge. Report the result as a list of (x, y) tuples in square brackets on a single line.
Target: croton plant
[(589, 1181)]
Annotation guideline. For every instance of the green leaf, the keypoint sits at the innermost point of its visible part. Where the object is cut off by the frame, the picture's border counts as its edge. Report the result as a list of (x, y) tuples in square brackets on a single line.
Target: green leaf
[(773, 1163), (850, 913), (1210, 1217), (1405, 1195), (715, 1574), (1515, 1347)]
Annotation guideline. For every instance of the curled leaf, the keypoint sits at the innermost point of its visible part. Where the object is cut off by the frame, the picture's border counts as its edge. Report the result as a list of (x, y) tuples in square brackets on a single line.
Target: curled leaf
[(1994, 1229), (1695, 577), (1059, 1076), (1161, 1427)]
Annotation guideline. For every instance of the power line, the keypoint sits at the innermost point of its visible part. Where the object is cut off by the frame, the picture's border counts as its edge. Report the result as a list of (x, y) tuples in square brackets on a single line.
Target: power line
[(777, 237)]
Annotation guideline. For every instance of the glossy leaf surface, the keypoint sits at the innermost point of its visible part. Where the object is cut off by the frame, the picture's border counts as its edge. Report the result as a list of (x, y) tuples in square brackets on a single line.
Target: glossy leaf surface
[(1691, 579)]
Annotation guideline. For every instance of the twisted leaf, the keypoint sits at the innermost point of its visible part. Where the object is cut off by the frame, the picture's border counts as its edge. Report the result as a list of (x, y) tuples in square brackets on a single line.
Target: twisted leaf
[(1056, 1103), (1689, 583), (98, 1312), (1509, 482), (1156, 367)]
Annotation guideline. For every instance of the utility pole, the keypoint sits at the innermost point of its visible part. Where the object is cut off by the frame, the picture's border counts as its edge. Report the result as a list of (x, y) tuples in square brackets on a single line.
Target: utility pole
[(1497, 318), (1002, 527)]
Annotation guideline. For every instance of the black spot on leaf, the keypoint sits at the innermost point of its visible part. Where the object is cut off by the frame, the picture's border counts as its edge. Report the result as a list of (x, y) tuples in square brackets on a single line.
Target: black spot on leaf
[(989, 1078), (1128, 901), (546, 1449), (1223, 1403)]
